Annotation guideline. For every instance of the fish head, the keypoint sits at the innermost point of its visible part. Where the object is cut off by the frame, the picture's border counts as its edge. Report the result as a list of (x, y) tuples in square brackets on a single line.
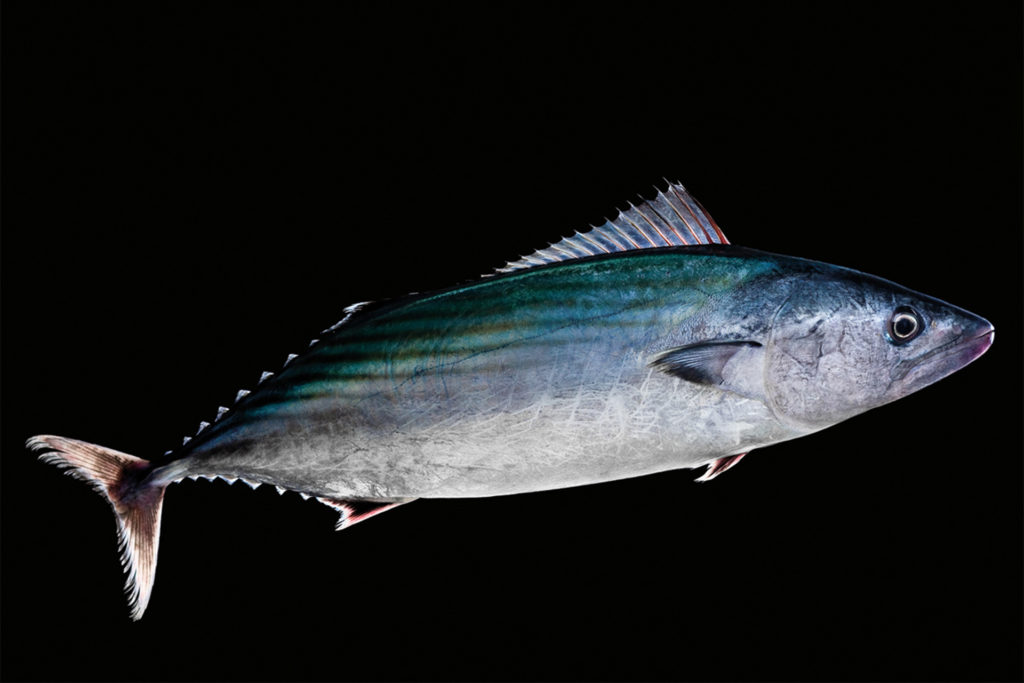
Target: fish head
[(844, 342)]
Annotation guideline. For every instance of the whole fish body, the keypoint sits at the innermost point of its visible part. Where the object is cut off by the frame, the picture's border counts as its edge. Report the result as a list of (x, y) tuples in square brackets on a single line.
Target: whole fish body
[(644, 345)]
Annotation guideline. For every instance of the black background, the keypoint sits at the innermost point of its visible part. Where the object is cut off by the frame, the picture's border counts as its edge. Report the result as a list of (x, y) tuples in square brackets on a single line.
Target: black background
[(190, 194)]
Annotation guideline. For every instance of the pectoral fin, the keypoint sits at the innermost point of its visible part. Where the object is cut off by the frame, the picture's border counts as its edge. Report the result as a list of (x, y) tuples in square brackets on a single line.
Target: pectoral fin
[(703, 362), (736, 366)]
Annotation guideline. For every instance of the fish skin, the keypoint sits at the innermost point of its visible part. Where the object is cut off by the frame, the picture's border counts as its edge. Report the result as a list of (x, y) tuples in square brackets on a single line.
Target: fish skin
[(543, 379), (533, 380), (562, 370)]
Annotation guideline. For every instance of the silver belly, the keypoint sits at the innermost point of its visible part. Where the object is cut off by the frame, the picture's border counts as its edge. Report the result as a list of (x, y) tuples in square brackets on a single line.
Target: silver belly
[(492, 441)]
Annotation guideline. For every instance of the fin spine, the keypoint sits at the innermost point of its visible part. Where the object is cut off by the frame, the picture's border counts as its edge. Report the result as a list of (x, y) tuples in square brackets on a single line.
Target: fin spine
[(653, 225), (673, 218)]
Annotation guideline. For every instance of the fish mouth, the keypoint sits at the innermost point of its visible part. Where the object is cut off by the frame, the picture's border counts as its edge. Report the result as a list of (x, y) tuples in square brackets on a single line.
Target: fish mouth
[(949, 357), (979, 345)]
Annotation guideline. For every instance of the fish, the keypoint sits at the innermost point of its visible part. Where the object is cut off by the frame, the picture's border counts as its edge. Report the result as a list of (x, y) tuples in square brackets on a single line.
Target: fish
[(646, 344)]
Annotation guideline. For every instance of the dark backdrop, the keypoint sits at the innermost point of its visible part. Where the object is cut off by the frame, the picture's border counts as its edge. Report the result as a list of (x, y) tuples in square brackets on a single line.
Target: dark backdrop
[(190, 194)]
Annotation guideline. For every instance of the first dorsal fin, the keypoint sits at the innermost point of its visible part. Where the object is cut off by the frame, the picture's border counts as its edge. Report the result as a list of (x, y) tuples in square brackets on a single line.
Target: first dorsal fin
[(672, 219)]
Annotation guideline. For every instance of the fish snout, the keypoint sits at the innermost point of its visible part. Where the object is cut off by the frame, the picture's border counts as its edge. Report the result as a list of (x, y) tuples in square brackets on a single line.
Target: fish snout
[(978, 338)]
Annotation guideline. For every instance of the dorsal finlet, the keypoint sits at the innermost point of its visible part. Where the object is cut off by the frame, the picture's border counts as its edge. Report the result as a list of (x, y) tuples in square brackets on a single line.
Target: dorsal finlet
[(673, 218), (221, 410), (349, 311)]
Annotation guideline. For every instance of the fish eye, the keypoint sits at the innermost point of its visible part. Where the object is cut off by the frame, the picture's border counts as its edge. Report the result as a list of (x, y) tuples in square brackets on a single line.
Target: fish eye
[(904, 324)]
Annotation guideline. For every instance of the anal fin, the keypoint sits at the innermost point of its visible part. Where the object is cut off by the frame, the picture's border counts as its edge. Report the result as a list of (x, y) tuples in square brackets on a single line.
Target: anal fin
[(353, 510), (718, 466)]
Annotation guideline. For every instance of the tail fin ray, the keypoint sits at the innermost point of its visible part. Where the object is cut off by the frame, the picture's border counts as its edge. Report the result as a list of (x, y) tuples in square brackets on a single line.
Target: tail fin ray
[(120, 478)]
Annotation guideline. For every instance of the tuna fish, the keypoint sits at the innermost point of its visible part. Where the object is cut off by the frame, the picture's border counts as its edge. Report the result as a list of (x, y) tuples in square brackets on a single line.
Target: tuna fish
[(643, 345)]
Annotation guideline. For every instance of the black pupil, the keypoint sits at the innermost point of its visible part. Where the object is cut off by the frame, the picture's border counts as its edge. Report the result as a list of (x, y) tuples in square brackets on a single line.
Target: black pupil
[(904, 325)]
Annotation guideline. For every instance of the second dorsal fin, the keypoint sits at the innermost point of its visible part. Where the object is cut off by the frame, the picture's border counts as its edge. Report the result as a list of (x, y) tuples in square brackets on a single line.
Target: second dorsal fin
[(672, 219)]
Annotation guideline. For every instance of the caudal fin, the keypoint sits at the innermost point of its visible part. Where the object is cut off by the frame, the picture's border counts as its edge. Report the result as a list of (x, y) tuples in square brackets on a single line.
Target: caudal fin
[(121, 479)]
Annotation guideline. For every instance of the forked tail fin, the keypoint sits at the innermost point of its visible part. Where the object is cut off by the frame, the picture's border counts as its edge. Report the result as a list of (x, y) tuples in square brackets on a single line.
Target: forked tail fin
[(121, 479)]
